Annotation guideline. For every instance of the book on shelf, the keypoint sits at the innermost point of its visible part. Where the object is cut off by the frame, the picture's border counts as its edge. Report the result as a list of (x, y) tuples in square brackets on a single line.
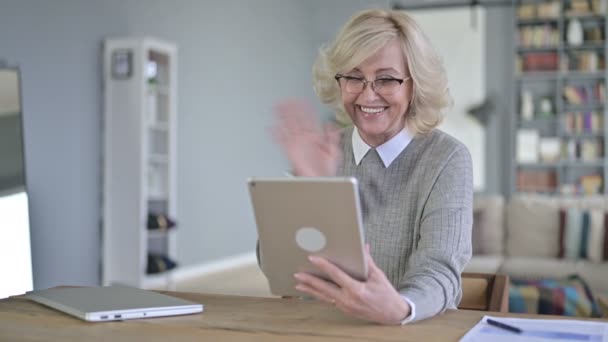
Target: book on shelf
[(549, 149), (527, 145), (538, 36), (586, 150), (591, 184), (586, 7), (589, 122), (584, 94), (536, 180), (590, 150), (539, 61), (585, 61), (543, 10)]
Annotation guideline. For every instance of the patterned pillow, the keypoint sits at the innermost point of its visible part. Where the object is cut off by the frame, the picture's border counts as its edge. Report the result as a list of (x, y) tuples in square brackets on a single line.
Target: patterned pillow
[(583, 234), (568, 297)]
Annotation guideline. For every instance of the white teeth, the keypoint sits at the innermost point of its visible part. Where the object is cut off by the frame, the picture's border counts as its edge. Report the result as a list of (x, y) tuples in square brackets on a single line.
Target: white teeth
[(369, 110)]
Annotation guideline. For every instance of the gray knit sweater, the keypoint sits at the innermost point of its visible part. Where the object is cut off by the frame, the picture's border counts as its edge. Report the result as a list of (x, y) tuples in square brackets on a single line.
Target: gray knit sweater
[(417, 216)]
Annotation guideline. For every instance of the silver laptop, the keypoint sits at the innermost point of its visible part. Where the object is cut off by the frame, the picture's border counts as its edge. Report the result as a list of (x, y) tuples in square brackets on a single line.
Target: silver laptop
[(300, 216), (113, 303)]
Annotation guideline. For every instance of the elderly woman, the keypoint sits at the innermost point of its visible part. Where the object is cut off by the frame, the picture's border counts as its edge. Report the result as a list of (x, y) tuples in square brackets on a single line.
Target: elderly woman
[(382, 74)]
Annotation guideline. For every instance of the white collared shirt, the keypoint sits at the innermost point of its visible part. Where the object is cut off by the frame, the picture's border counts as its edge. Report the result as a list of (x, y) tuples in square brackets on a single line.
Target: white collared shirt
[(388, 152)]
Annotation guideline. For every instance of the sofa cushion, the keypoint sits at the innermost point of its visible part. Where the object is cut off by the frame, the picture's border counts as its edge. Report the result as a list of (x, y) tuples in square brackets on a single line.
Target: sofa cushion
[(484, 264), (488, 224), (532, 222), (537, 268), (532, 227)]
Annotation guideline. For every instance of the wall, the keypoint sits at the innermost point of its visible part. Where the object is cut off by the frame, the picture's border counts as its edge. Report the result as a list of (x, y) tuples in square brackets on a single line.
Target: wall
[(57, 45), (462, 47), (237, 58), (499, 83)]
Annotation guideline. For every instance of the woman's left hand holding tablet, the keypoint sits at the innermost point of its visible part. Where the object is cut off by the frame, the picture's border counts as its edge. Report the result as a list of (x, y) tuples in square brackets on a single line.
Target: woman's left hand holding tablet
[(374, 299)]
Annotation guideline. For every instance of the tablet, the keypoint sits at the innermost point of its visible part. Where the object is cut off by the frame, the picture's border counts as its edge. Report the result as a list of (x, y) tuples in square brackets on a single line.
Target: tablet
[(301, 216)]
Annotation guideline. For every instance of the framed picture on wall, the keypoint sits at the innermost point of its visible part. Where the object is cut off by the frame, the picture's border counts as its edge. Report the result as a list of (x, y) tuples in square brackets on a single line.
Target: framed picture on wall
[(122, 64)]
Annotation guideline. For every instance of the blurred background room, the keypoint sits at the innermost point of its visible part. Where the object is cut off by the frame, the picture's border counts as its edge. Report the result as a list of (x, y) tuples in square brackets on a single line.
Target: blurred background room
[(135, 125)]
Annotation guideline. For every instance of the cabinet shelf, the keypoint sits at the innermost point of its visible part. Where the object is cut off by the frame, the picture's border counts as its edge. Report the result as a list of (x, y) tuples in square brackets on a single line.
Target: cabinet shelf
[(537, 21), (158, 89), (586, 46), (583, 135), (553, 75), (159, 126), (159, 158), (583, 163), (160, 234), (563, 163), (584, 16), (584, 75), (528, 49), (583, 107), (538, 76), (139, 161)]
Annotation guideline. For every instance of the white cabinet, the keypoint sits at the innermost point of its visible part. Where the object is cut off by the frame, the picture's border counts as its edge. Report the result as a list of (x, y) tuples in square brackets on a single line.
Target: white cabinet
[(140, 91)]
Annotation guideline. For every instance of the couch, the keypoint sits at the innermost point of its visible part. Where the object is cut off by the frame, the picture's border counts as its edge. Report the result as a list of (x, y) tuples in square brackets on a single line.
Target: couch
[(527, 237)]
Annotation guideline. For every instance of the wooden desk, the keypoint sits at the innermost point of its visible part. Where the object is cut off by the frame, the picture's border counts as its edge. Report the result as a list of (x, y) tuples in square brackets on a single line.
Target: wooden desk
[(228, 318)]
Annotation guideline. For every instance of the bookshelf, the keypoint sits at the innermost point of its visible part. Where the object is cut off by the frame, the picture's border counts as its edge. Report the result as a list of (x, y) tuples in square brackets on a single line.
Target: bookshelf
[(560, 107), (139, 177)]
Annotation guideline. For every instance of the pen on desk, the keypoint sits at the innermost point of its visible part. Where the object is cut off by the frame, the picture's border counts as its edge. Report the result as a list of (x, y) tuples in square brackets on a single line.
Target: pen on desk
[(504, 326)]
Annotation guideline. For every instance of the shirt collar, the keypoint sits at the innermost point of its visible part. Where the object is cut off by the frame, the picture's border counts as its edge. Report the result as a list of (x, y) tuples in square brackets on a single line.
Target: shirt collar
[(388, 151)]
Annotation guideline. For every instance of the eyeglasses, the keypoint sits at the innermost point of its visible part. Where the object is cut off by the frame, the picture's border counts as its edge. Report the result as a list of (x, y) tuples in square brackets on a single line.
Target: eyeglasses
[(382, 86)]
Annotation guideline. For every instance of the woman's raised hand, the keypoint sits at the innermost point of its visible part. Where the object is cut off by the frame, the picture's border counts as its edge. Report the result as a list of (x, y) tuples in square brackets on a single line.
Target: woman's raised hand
[(313, 151)]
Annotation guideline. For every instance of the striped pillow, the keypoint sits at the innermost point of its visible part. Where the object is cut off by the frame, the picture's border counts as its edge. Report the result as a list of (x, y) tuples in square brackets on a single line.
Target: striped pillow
[(583, 234)]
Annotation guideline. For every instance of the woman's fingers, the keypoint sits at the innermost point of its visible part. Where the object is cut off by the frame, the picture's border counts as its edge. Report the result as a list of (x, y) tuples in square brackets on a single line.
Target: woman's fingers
[(334, 272), (317, 294), (323, 289)]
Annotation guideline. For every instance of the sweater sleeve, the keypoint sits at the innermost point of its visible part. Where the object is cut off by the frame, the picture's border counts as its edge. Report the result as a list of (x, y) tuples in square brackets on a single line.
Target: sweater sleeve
[(432, 281)]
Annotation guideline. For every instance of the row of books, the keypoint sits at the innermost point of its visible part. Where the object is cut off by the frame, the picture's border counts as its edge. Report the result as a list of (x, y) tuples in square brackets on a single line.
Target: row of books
[(584, 94), (584, 7), (589, 122), (538, 36), (546, 181), (536, 180), (583, 61), (588, 150), (532, 148), (543, 10), (593, 32), (587, 185), (588, 61), (538, 61)]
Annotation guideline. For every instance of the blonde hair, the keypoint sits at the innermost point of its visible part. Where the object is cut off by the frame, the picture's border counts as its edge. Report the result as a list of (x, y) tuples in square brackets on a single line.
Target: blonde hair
[(362, 36)]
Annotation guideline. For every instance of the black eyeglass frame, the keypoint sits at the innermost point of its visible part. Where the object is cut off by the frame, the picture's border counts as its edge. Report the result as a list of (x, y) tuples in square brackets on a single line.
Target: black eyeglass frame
[(365, 82)]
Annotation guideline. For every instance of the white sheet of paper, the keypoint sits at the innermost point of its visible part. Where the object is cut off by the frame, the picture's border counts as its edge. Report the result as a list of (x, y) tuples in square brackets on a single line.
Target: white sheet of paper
[(538, 330)]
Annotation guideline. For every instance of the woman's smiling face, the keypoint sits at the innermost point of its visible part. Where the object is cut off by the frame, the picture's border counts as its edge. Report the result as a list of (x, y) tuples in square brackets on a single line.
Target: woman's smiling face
[(379, 117)]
